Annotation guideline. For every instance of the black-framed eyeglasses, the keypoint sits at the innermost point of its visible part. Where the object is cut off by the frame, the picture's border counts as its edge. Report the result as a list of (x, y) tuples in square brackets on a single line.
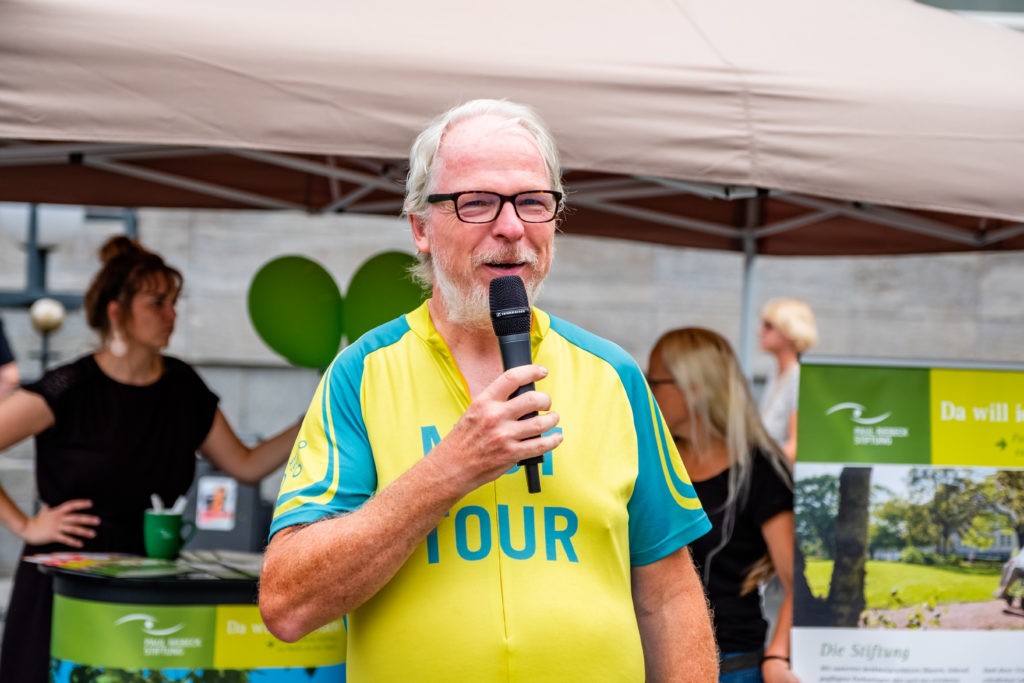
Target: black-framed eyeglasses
[(477, 206), (652, 381)]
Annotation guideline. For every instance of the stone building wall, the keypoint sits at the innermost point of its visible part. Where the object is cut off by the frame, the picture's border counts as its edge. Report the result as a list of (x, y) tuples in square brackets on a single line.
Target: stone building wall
[(959, 306)]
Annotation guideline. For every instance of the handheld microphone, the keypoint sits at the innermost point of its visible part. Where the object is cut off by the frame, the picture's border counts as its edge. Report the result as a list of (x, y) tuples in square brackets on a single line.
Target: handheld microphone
[(511, 317)]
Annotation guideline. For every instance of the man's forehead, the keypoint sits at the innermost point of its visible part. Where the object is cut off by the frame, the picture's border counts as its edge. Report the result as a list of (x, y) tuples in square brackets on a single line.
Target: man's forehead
[(484, 127), (488, 143)]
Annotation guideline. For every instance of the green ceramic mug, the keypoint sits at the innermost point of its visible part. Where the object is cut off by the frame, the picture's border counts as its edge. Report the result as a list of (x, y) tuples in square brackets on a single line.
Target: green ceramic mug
[(164, 534)]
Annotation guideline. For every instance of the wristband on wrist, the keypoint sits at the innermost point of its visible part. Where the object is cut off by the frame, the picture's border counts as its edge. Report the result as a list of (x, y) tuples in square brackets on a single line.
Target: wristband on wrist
[(765, 658)]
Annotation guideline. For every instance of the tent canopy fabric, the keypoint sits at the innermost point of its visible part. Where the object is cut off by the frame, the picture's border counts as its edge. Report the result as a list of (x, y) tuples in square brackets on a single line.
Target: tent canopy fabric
[(789, 127)]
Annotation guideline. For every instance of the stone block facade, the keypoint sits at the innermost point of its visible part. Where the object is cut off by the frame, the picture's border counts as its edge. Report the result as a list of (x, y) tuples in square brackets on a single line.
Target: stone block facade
[(956, 306)]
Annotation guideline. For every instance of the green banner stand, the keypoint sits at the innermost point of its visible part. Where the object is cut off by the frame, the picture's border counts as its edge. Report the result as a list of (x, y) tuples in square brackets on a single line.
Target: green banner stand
[(107, 639)]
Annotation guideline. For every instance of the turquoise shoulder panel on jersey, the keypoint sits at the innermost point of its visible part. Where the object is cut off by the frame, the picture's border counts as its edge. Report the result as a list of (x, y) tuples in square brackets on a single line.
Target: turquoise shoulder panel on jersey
[(664, 511), (334, 432)]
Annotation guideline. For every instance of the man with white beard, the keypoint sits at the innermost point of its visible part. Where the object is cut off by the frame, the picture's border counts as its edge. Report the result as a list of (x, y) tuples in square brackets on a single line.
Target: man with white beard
[(401, 507)]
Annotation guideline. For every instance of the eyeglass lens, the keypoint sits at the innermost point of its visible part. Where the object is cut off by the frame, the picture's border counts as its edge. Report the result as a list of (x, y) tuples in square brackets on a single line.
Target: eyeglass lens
[(483, 207)]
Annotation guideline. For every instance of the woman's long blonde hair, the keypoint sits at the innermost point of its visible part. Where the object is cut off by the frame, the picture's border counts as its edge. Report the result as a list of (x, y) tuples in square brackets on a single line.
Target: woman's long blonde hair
[(706, 370)]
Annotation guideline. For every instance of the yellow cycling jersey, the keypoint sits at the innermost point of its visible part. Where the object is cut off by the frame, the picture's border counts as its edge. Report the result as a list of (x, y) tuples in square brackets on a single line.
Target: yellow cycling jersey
[(510, 586)]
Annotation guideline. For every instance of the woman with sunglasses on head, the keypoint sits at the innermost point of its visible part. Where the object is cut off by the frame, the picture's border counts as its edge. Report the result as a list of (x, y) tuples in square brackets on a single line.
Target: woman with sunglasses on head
[(112, 428), (787, 331), (746, 485)]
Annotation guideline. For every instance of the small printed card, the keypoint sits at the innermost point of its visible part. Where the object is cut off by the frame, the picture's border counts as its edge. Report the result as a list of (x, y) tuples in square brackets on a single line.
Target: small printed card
[(216, 498)]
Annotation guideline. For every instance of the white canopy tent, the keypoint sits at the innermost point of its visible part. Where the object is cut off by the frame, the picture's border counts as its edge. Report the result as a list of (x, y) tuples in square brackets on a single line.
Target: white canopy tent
[(783, 127)]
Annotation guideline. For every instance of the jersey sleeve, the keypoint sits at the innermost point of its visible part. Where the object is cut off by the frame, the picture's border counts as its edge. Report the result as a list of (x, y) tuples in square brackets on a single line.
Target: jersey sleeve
[(330, 470), (664, 511)]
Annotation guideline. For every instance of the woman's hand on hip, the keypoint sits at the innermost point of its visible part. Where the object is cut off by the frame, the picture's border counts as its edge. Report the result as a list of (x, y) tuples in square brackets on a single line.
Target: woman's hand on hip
[(61, 524)]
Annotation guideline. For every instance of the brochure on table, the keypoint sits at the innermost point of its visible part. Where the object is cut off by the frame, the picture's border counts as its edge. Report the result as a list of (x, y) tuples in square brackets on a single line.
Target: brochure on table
[(200, 564), (909, 512)]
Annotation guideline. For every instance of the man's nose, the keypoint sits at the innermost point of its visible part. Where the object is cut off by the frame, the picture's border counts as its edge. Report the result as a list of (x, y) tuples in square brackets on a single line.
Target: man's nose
[(507, 224)]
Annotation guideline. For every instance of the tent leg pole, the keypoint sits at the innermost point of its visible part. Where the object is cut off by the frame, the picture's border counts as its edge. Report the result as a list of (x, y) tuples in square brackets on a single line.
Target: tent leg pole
[(747, 303), (130, 218)]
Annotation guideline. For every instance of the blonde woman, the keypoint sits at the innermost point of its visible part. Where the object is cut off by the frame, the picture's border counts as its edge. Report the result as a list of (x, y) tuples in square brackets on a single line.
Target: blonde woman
[(787, 331), (746, 485)]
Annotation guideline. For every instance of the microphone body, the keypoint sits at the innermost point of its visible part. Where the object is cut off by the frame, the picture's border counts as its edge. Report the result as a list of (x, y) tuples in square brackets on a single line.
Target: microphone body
[(511, 318)]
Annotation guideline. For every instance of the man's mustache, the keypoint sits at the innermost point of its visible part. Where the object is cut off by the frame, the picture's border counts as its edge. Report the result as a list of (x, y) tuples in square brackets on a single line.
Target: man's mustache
[(507, 255)]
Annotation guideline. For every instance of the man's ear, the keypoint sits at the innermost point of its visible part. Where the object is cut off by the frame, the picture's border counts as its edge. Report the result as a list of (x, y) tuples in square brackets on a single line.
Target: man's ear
[(420, 236)]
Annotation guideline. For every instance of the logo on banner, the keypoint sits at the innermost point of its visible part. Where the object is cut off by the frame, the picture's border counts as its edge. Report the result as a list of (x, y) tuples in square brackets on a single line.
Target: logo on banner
[(157, 641), (149, 624), (869, 430)]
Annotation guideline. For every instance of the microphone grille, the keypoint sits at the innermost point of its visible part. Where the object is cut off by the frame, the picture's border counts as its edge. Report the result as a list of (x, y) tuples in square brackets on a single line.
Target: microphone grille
[(510, 307)]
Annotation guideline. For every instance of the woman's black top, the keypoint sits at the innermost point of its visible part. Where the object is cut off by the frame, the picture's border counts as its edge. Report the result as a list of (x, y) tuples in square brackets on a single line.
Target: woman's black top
[(6, 355), (739, 623), (114, 444)]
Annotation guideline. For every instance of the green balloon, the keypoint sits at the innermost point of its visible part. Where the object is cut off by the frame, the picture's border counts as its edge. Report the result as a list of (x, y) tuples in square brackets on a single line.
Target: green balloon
[(380, 290), (296, 308)]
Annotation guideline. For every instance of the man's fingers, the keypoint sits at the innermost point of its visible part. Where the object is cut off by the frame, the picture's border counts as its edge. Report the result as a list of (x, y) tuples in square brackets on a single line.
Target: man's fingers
[(513, 378), (529, 448), (535, 426), (530, 402)]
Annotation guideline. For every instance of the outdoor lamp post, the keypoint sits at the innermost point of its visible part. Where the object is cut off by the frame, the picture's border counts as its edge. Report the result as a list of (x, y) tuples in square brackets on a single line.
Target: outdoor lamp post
[(47, 316)]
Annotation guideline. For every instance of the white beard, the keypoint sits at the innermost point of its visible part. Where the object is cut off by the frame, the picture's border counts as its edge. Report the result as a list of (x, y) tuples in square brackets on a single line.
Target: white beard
[(471, 306)]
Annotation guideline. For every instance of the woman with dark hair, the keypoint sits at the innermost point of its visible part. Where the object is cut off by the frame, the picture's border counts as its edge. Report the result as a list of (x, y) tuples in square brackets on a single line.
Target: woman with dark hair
[(746, 485), (112, 428)]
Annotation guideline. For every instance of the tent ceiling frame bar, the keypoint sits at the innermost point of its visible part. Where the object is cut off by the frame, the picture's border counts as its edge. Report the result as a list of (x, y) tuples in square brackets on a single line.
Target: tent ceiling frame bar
[(632, 192), (164, 153), (661, 217), (793, 223), (392, 206), (905, 221), (59, 153), (599, 194), (600, 184), (891, 218), (317, 168), (375, 166), (347, 200), (189, 184), (706, 190), (1006, 233)]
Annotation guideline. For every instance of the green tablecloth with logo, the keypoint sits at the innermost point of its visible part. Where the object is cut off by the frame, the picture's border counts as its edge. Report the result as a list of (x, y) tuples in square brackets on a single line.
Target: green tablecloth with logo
[(138, 629)]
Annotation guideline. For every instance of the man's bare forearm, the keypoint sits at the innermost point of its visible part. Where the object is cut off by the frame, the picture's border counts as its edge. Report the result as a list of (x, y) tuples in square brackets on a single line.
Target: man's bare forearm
[(315, 573), (674, 622)]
